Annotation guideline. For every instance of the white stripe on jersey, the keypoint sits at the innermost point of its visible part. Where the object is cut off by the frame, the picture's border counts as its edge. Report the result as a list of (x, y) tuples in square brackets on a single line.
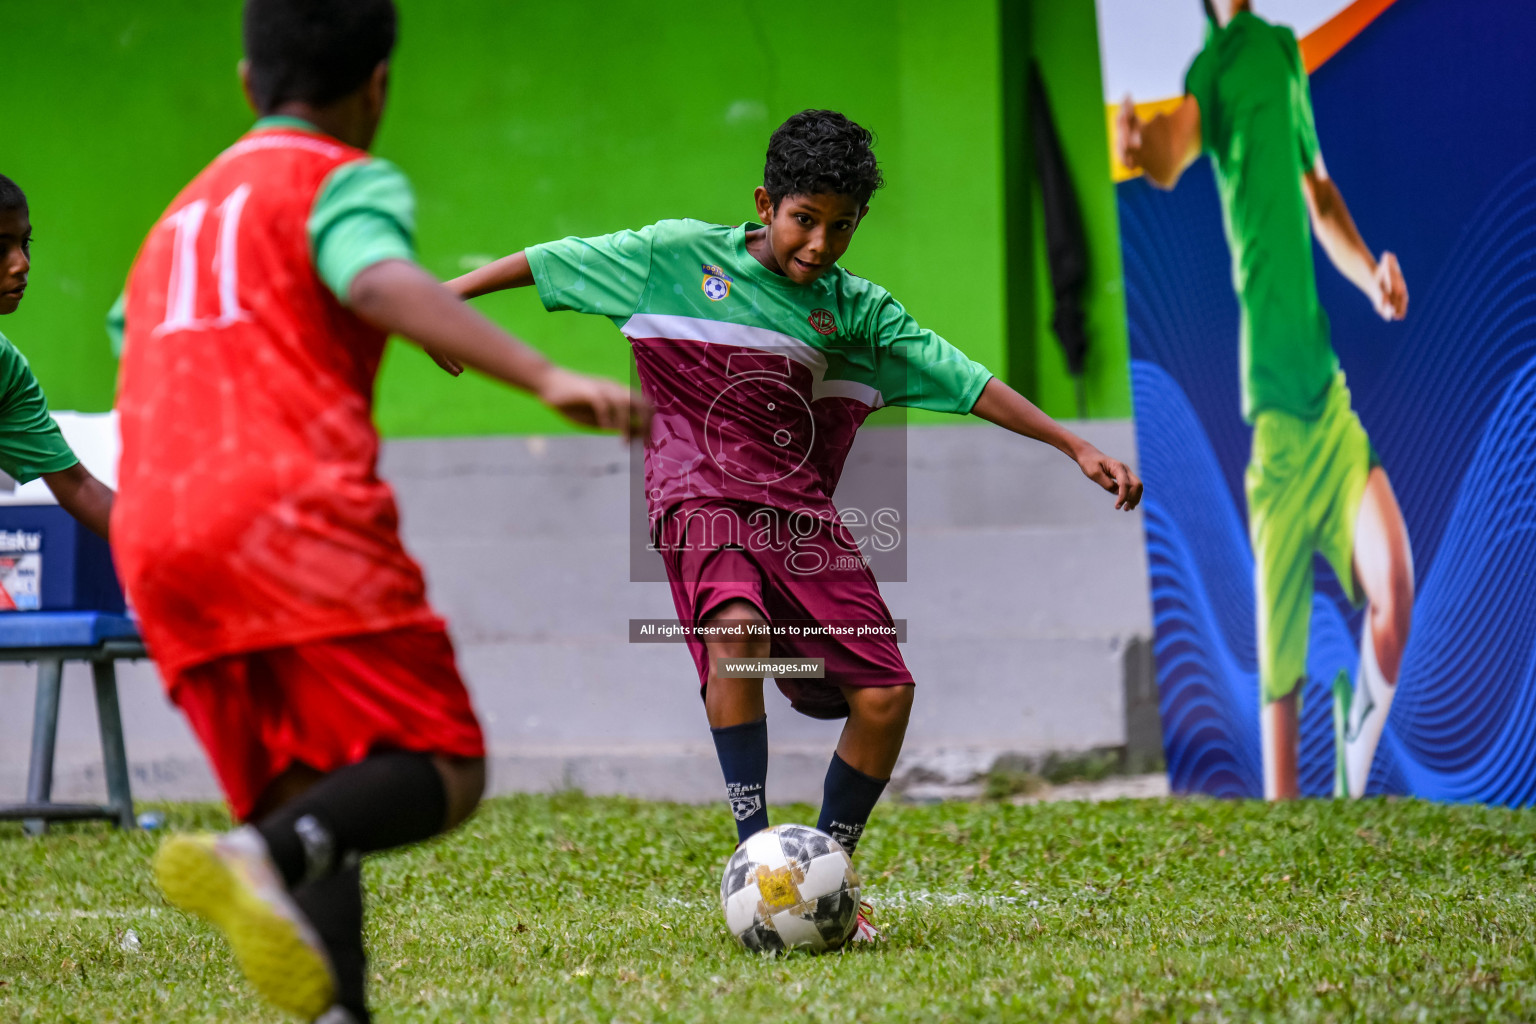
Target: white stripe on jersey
[(847, 389), (668, 327)]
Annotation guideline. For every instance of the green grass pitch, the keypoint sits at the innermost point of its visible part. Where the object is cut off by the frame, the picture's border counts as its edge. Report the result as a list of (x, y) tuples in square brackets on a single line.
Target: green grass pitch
[(570, 908)]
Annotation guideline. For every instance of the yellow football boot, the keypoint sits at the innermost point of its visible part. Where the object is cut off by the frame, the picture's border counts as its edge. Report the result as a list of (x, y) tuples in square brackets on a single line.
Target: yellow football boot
[(230, 881)]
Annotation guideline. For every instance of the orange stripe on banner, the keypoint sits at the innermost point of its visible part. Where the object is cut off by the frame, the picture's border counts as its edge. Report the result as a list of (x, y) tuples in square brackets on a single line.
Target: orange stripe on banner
[(1316, 47), (1331, 36)]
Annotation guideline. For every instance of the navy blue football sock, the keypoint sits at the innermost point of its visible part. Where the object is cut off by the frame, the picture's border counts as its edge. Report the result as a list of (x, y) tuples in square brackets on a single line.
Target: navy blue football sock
[(847, 801), (743, 751)]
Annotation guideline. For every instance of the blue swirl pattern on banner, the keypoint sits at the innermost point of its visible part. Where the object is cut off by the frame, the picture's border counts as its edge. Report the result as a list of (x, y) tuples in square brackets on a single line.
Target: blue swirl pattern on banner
[(1427, 124), (1463, 377)]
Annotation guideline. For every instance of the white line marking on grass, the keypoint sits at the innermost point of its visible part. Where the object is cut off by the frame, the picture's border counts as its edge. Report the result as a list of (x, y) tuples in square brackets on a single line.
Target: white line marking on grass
[(930, 898), (92, 915), (902, 898)]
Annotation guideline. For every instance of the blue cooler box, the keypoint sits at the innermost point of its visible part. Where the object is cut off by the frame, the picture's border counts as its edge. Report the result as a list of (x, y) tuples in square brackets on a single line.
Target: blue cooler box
[(49, 562)]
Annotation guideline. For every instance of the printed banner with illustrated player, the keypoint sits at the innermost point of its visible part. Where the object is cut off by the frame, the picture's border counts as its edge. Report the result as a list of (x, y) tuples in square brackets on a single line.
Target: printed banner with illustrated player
[(1336, 411)]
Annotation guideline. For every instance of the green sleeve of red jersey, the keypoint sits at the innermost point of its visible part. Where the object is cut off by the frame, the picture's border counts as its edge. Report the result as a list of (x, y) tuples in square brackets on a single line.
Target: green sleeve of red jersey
[(117, 323), (917, 368), (30, 442), (364, 214), (605, 275)]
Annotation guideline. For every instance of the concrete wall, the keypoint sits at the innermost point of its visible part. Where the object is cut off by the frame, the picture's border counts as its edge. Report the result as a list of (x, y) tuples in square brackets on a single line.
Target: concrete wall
[(1026, 605)]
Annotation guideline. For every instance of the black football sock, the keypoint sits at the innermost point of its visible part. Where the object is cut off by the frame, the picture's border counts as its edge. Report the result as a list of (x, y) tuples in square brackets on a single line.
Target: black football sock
[(382, 801), (334, 905), (743, 751), (847, 801)]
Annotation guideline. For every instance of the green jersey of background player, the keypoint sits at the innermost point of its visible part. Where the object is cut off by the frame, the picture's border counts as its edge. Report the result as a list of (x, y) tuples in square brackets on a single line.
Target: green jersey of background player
[(1313, 481), (31, 445)]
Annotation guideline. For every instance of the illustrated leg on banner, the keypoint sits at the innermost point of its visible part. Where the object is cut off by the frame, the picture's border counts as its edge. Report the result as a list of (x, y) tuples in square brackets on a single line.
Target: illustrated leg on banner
[(1383, 566)]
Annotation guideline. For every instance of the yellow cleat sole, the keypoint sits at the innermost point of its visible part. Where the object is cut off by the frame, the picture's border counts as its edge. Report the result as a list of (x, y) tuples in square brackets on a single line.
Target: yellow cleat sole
[(272, 953)]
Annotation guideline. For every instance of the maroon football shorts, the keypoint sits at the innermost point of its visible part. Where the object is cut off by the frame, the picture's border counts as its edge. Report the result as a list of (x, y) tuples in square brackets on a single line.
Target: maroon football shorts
[(795, 568)]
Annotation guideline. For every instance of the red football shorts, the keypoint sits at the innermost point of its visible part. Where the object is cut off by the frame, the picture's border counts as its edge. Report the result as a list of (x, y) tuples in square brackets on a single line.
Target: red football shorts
[(809, 571), (326, 704)]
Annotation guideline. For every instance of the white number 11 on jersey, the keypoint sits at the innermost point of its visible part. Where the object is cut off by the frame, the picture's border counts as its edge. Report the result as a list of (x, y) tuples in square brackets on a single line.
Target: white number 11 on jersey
[(181, 296)]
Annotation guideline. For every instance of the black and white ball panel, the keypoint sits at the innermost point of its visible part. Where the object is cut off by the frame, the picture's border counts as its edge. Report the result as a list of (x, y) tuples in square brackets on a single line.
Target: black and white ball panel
[(790, 887)]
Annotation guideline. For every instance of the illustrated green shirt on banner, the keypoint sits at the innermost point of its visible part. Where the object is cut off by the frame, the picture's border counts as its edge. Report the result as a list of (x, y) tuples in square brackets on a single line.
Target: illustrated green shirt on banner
[(30, 441), (1256, 123)]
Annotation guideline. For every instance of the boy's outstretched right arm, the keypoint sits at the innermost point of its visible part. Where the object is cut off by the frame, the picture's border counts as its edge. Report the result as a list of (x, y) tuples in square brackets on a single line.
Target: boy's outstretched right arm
[(508, 272), (398, 296)]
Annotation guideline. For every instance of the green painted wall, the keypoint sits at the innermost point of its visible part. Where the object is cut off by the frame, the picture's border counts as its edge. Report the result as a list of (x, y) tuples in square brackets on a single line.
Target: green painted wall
[(527, 122), (516, 124), (1063, 37)]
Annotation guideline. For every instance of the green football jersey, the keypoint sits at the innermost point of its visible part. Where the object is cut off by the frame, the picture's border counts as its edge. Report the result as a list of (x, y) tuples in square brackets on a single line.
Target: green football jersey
[(30, 442), (1256, 124), (759, 383)]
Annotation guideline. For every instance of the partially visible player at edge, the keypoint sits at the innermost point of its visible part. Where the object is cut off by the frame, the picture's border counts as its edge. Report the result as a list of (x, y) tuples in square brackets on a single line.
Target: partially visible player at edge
[(252, 532), (31, 445), (763, 356), (1314, 481)]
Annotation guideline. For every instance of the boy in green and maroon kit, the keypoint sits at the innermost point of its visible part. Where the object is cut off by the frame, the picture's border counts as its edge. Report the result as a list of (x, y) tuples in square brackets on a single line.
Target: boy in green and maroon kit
[(1314, 481), (253, 533), (763, 356)]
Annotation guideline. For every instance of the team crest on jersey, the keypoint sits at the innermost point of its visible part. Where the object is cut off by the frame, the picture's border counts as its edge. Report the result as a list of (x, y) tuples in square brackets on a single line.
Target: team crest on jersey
[(822, 320), (717, 283)]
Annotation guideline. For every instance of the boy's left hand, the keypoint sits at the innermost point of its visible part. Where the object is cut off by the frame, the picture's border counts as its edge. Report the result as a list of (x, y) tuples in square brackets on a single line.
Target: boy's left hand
[(596, 402), (450, 367), (1112, 475)]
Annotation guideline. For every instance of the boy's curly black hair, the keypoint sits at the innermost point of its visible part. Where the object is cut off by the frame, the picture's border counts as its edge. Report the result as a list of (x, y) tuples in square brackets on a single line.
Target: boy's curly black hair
[(11, 196), (819, 152), (314, 51)]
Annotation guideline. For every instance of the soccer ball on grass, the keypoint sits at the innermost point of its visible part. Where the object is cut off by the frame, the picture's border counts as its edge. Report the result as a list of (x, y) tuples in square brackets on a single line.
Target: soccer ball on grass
[(790, 887)]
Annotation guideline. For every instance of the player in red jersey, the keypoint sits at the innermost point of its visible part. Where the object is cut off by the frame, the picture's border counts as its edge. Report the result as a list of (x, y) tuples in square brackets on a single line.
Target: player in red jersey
[(252, 532)]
